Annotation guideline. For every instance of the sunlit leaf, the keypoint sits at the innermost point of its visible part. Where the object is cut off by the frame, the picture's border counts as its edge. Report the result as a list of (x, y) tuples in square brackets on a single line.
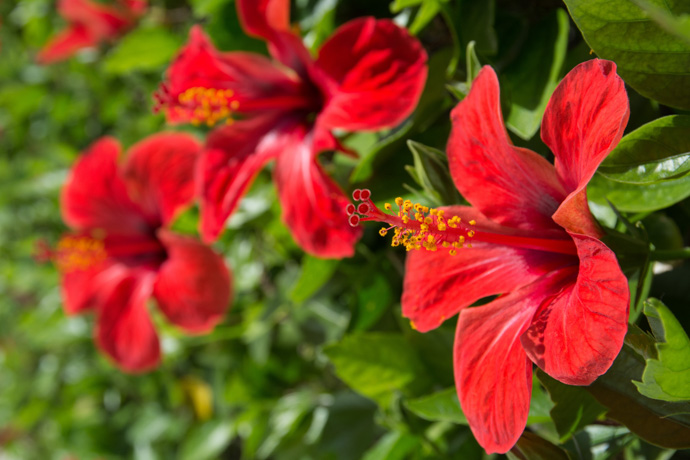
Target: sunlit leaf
[(668, 377)]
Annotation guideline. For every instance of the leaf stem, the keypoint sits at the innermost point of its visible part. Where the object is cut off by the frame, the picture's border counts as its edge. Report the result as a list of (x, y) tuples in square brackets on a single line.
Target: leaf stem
[(670, 254)]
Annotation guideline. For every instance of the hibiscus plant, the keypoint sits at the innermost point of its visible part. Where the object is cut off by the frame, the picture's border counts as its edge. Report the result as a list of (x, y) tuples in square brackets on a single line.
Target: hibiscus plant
[(345, 229)]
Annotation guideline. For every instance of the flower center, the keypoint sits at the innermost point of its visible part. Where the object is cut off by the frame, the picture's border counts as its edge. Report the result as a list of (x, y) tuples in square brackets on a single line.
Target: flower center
[(207, 105), (419, 227), (79, 253)]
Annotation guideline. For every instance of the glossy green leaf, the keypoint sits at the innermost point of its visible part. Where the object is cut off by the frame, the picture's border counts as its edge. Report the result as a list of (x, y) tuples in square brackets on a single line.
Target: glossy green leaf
[(315, 273), (534, 74), (377, 365), (676, 25), (144, 49), (668, 377), (659, 150), (662, 423), (533, 447), (638, 197), (650, 59), (574, 408)]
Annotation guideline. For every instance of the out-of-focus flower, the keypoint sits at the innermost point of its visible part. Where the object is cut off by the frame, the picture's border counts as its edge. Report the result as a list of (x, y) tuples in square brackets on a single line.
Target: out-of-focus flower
[(120, 251), (367, 76), (89, 24), (562, 299)]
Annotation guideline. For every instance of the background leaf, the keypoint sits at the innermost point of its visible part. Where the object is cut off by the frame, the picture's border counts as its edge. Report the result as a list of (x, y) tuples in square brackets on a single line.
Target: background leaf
[(667, 377), (651, 60)]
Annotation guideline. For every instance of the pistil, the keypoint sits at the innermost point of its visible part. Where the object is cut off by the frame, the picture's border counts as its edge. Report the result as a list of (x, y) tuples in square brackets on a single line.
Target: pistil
[(416, 226)]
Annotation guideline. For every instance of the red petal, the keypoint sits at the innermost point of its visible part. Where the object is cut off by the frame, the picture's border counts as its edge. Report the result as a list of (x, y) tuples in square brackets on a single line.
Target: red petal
[(66, 44), (262, 17), (159, 172), (583, 122), (510, 185), (313, 205), (576, 337), (124, 330), (492, 373), (193, 285), (585, 119), (256, 82), (235, 154), (438, 285), (378, 72), (95, 195)]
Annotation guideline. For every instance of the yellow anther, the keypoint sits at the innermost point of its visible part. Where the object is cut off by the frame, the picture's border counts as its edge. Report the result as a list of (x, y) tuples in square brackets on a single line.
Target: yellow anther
[(417, 207), (387, 207), (430, 238), (441, 212), (399, 201), (383, 231), (424, 228), (470, 233), (472, 222), (433, 212), (419, 217), (425, 209), (428, 220), (452, 252), (407, 205), (405, 219), (441, 227), (445, 244)]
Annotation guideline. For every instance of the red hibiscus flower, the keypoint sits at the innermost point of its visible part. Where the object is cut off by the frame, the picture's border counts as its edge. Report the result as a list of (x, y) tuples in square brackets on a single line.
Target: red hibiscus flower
[(367, 76), (120, 251), (90, 23), (528, 238)]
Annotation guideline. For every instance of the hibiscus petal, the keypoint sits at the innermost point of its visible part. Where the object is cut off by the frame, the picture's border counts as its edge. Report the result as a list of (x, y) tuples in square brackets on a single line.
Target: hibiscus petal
[(159, 172), (585, 119), (492, 373), (95, 195), (233, 157), (513, 186), (193, 285), (583, 122), (438, 285), (254, 82), (313, 205), (378, 71), (262, 17), (576, 336), (124, 330), (66, 43)]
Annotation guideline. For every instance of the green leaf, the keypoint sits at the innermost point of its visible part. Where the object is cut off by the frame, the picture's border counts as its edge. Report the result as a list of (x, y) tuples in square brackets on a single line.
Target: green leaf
[(574, 407), (650, 59), (315, 273), (377, 365), (143, 49), (426, 13), (663, 423), (532, 447), (400, 5), (207, 441), (475, 22), (657, 151), (676, 25), (392, 446), (442, 406), (373, 300), (432, 174), (533, 76), (668, 377), (638, 197)]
